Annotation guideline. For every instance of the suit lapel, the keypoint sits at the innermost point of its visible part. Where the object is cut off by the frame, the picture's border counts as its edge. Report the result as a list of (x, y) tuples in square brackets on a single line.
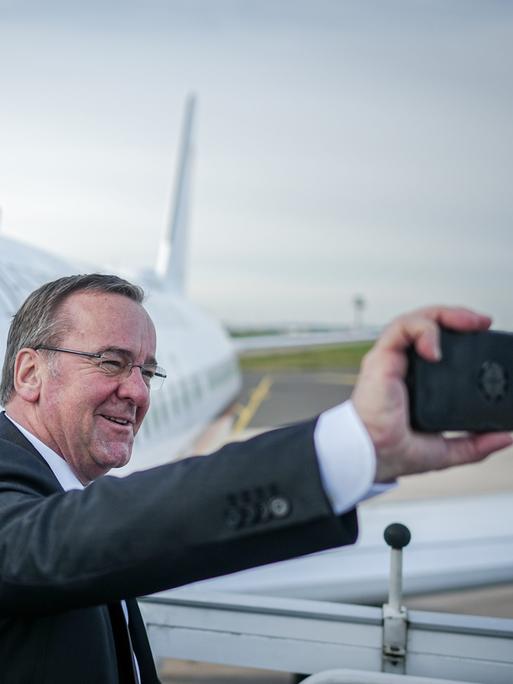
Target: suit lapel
[(10, 433)]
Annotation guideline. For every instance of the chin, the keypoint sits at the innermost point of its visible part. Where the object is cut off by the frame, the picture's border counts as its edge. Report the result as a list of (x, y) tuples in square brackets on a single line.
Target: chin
[(116, 459), (120, 461)]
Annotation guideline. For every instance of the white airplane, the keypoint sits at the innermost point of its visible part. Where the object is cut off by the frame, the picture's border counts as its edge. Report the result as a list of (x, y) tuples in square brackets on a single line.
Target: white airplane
[(204, 379), (203, 373)]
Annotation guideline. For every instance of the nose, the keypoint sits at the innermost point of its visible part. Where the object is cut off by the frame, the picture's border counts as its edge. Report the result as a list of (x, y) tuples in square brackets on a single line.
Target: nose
[(134, 387)]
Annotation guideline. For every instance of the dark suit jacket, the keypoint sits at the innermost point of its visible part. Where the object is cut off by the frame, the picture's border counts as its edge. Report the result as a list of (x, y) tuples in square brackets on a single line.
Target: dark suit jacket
[(64, 555)]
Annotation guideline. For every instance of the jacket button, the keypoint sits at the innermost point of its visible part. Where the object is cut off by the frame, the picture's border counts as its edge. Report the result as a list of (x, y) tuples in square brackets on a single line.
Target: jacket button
[(251, 514), (233, 518), (264, 511), (279, 507)]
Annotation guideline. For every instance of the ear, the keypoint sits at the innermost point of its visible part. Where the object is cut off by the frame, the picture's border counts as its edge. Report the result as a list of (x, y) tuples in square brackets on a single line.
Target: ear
[(28, 374)]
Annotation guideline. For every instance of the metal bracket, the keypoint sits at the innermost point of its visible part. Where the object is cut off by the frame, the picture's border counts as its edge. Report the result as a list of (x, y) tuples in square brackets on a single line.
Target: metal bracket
[(395, 630)]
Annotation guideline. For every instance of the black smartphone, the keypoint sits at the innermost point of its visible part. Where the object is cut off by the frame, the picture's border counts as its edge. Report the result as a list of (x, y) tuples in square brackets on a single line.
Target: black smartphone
[(469, 389)]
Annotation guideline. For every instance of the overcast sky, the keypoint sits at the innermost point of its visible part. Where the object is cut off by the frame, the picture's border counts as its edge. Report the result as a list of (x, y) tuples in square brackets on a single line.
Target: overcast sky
[(341, 147)]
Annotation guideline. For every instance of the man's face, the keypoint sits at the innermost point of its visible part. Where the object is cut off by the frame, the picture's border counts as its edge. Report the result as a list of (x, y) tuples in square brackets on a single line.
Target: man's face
[(81, 410)]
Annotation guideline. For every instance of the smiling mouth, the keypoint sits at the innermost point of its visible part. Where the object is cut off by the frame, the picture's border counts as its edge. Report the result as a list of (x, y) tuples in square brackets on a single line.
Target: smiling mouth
[(117, 421)]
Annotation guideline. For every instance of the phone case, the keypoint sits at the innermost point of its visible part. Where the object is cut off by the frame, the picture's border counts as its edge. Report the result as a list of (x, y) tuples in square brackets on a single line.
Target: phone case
[(469, 389)]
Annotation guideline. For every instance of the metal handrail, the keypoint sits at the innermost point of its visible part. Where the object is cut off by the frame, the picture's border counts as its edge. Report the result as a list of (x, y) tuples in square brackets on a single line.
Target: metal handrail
[(361, 677)]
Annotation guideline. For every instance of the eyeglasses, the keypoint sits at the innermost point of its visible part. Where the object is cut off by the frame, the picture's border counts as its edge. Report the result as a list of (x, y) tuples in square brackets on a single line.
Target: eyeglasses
[(118, 364)]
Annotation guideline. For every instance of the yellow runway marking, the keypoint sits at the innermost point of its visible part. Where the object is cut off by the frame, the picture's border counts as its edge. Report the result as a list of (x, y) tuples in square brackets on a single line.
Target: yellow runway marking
[(257, 396)]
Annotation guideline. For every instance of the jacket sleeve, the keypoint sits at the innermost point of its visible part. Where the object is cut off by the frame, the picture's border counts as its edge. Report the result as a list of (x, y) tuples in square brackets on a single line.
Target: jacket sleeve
[(248, 504)]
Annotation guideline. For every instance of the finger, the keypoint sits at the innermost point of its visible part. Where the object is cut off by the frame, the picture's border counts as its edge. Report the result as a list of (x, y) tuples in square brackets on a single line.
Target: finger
[(412, 329), (420, 328), (462, 319), (475, 448)]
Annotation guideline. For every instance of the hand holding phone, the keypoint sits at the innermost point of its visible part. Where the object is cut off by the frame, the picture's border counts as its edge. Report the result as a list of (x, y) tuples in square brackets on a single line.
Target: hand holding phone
[(448, 399)]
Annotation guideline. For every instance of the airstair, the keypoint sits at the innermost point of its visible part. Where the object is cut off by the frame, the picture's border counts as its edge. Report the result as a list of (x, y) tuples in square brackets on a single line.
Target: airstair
[(333, 643)]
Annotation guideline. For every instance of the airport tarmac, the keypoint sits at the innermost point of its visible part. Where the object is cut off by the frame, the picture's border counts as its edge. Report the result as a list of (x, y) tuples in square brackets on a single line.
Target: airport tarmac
[(273, 399), (294, 396)]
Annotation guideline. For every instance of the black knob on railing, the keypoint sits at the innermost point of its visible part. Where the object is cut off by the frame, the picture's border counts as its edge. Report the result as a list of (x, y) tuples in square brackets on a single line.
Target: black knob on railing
[(397, 535)]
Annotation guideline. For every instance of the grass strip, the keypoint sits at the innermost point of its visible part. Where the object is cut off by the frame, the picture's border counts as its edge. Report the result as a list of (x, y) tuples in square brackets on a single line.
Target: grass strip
[(346, 356)]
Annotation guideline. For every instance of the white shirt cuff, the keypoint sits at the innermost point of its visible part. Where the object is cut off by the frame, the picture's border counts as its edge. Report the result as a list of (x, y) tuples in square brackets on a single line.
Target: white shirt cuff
[(346, 457)]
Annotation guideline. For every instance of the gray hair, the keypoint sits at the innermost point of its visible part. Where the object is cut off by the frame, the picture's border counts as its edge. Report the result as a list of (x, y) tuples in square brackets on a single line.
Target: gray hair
[(37, 321)]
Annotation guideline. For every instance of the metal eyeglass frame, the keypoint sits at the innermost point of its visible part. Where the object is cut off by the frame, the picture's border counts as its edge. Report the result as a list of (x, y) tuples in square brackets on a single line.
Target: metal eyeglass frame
[(153, 381)]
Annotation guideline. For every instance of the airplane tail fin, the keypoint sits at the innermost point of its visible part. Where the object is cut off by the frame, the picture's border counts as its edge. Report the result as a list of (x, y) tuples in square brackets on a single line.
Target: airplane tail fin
[(172, 254)]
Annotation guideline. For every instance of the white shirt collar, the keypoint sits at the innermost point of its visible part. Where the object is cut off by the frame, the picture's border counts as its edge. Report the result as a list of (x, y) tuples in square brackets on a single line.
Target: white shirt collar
[(59, 467)]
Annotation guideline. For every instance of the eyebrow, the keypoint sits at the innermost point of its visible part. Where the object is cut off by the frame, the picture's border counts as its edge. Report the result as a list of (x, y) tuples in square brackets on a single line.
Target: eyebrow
[(151, 361)]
